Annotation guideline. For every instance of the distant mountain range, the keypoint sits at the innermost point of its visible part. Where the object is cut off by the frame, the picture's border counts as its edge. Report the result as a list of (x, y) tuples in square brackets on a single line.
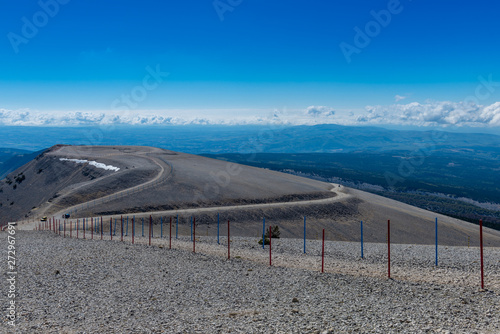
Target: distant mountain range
[(252, 139)]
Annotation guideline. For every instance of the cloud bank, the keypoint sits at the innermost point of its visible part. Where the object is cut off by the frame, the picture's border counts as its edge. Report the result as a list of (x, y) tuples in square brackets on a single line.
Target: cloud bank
[(442, 114), (430, 114)]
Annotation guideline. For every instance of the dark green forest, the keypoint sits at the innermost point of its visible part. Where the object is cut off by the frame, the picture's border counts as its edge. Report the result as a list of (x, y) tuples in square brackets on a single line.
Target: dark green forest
[(432, 181)]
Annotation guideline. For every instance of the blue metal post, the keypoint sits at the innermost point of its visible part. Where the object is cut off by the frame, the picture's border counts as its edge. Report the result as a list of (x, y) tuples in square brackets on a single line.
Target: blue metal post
[(161, 227), (176, 226), (264, 233), (362, 255), (436, 241), (304, 234)]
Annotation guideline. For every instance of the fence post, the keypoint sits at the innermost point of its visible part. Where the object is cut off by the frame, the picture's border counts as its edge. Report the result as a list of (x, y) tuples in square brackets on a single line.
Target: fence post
[(102, 232), (191, 228), (218, 241), (304, 234), (436, 241), (362, 254), (388, 248), (194, 235), (65, 228), (323, 253), (228, 242), (133, 229), (84, 221), (170, 242), (77, 227), (111, 228), (121, 228), (150, 228), (126, 230), (92, 228), (143, 227), (481, 246), (177, 226), (263, 242), (161, 227)]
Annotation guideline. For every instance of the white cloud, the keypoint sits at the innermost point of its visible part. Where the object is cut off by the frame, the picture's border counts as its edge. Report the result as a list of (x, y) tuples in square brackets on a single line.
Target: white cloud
[(435, 114), (320, 111), (439, 113), (398, 98)]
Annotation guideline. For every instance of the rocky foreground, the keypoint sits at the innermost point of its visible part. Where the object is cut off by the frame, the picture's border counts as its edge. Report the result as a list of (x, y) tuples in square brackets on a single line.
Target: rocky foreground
[(91, 286)]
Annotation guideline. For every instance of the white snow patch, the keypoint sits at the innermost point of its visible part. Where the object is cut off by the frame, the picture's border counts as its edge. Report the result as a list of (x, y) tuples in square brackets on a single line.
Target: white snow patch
[(93, 163)]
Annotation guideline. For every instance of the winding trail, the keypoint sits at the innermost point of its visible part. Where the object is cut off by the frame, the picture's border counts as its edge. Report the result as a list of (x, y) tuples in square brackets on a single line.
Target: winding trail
[(163, 175), (337, 189), (340, 195)]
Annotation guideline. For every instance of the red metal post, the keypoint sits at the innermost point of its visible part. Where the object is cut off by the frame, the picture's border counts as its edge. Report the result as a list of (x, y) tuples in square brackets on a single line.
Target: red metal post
[(170, 246), (150, 224), (323, 253), (389, 249), (481, 246), (228, 242), (264, 241)]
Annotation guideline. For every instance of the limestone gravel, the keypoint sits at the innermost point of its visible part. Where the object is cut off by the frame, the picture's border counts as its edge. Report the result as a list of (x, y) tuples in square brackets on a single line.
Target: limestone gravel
[(92, 286)]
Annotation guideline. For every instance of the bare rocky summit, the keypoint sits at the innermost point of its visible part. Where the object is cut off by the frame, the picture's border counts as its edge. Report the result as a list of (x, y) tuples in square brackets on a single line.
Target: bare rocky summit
[(84, 286)]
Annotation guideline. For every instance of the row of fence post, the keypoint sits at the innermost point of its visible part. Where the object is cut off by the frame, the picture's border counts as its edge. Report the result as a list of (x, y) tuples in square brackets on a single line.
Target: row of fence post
[(56, 226)]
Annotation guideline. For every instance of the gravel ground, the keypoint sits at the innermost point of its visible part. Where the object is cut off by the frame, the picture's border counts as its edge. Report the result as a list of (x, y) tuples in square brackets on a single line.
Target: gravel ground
[(91, 286)]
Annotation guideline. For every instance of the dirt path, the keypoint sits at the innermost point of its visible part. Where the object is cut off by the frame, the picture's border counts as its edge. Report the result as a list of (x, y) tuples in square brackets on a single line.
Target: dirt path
[(337, 189), (163, 175), (340, 195)]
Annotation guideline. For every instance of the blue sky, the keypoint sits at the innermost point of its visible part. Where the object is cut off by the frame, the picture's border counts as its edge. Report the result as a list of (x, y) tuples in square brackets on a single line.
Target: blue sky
[(421, 63)]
